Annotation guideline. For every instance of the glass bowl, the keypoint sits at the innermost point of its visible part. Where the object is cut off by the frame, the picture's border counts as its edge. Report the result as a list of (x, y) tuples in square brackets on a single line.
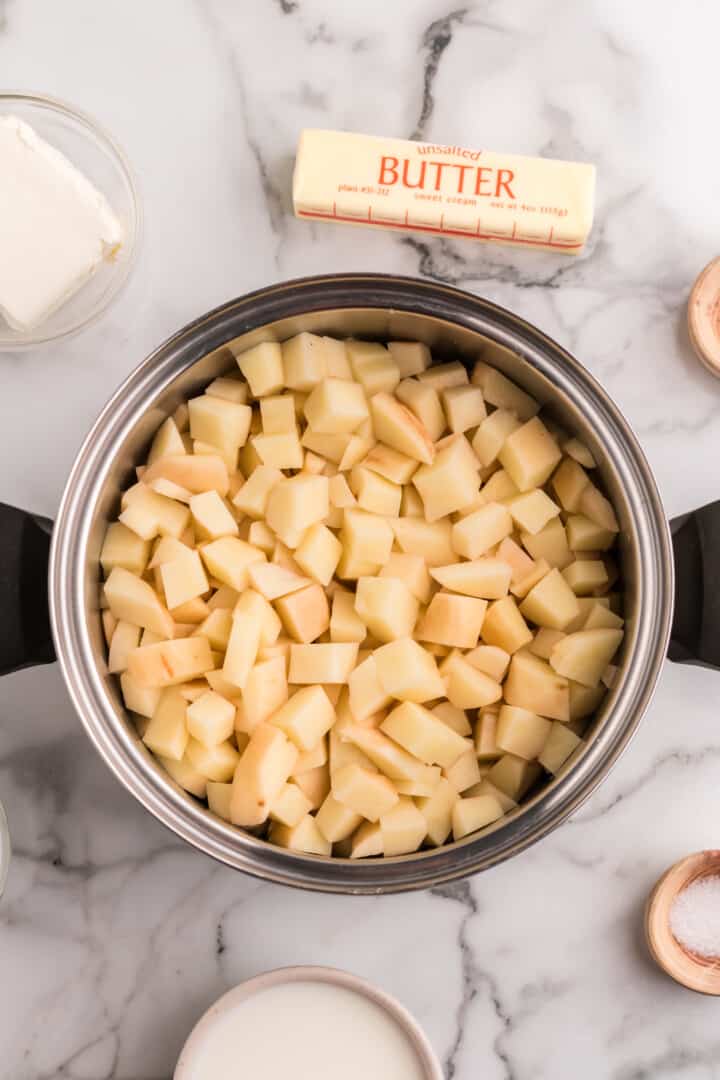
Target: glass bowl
[(98, 156)]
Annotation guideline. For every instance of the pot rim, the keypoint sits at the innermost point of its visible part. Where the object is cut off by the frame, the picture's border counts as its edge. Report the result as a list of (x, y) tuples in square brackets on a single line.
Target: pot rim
[(132, 764)]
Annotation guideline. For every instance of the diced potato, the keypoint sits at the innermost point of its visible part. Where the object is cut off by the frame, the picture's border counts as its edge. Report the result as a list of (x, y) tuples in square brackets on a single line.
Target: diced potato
[(230, 387), (219, 423), (124, 548), (149, 514), (228, 559), (210, 719), (487, 578), (584, 700), (253, 496), (305, 836), (432, 540), (450, 483), (486, 746), (599, 616), (424, 402), (579, 451), (290, 805), (366, 538), (411, 357), (390, 758), (559, 745), (219, 796), (265, 691), (313, 759), (390, 464), (306, 717), (410, 569), (260, 536), (422, 734), (340, 494), (443, 376), (485, 787), (463, 773), (530, 455), (551, 602), (400, 429), (337, 364), (453, 620), (584, 655), (211, 517), (585, 575), (336, 406), (498, 488), (452, 716), (419, 788), (386, 606), (315, 785), (366, 841), (585, 535), (502, 392), (521, 732), (437, 811), (296, 503), (469, 815), (532, 510), (464, 407), (524, 585), (367, 793), (319, 553), (168, 663), (335, 821), (167, 733), (489, 439), (167, 441), (329, 662), (343, 752), (374, 493), (411, 504), (125, 638), (403, 828), (532, 684), (139, 699), (568, 481), (185, 775), (109, 622), (490, 659), (345, 623), (260, 775), (551, 544), (183, 579), (305, 614), (373, 366), (278, 414), (273, 581), (504, 626), (366, 693), (597, 508), (262, 366), (245, 636), (281, 450), (216, 763), (520, 563), (304, 361), (230, 456), (468, 687), (544, 641), (513, 775), (195, 473), (408, 672), (478, 532)]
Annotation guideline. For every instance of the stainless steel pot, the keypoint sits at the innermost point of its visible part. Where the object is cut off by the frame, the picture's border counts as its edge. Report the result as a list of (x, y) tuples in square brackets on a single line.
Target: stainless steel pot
[(454, 324)]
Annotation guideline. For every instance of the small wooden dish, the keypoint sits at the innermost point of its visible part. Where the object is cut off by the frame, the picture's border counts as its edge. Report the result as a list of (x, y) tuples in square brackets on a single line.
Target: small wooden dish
[(699, 973), (704, 317)]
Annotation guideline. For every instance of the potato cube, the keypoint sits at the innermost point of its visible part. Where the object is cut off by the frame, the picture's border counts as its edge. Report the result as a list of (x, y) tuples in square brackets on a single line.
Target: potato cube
[(585, 575), (411, 504), (390, 464), (486, 746), (468, 687), (513, 775), (252, 498), (487, 578), (374, 493), (443, 376), (490, 659), (281, 450), (403, 828), (167, 441), (304, 361), (489, 439), (273, 581), (372, 366), (264, 692), (149, 514), (560, 744), (345, 623), (411, 570), (498, 488), (305, 836), (210, 719), (260, 536), (584, 655), (524, 585), (437, 812), (277, 414), (335, 821), (411, 357), (520, 563), (584, 700), (530, 455), (481, 530), (366, 693), (171, 662), (408, 672), (313, 759), (432, 540), (424, 402), (262, 366), (420, 788), (331, 447), (532, 510), (464, 407), (586, 535), (204, 472), (306, 717), (505, 627), (357, 448), (125, 638), (367, 793), (450, 483), (453, 620), (366, 841), (167, 733), (219, 796), (224, 599), (544, 642), (385, 754), (340, 494), (183, 579), (230, 456), (521, 732), (580, 453), (228, 559), (423, 735), (336, 406), (245, 635), (319, 553), (290, 805), (142, 700), (219, 423), (261, 774), (599, 616), (569, 481), (469, 815), (230, 387), (211, 517), (305, 614), (597, 508), (124, 548), (185, 775), (551, 602), (387, 607), (532, 684), (502, 392), (296, 503), (216, 762), (399, 428), (551, 544), (342, 752), (329, 663)]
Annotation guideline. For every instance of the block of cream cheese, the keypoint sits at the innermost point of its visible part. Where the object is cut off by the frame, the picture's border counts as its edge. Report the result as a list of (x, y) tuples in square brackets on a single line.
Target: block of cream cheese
[(56, 228), (448, 190)]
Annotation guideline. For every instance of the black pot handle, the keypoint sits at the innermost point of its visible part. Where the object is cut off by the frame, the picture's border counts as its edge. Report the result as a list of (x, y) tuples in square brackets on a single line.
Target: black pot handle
[(25, 637), (695, 637)]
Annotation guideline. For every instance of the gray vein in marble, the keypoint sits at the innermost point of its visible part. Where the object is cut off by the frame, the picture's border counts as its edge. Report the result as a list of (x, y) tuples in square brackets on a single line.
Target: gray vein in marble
[(674, 1063), (287, 6), (435, 41)]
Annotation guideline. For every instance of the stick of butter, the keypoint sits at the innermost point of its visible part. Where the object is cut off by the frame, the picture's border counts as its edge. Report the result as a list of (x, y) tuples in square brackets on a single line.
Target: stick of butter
[(448, 190)]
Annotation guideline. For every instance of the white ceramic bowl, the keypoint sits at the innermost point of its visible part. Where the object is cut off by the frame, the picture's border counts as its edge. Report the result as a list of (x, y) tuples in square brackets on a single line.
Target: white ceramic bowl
[(98, 156), (199, 1036)]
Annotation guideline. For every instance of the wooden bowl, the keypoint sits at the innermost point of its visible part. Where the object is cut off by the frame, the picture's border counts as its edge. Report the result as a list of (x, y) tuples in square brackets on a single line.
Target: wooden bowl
[(704, 316), (701, 973)]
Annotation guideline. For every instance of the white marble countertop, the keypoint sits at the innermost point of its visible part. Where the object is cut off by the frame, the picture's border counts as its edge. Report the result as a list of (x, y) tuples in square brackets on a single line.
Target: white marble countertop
[(114, 936)]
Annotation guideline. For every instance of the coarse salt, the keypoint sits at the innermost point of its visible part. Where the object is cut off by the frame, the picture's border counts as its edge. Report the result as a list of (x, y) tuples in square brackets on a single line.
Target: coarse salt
[(695, 916)]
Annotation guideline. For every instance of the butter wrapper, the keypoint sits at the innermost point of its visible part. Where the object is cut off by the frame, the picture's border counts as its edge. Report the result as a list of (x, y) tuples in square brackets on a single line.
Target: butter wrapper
[(445, 190)]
